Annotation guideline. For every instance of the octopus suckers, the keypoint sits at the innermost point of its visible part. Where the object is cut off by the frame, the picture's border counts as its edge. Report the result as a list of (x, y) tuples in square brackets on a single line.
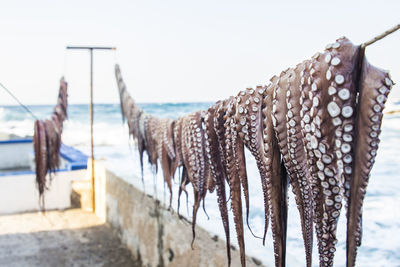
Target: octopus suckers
[(347, 111), (328, 58), (337, 121), (306, 118), (331, 90), (322, 148), (315, 56), (383, 90), (347, 137), (328, 75), (327, 193), (329, 202), (345, 148), (375, 118), (377, 108), (344, 94), (388, 81), (335, 190), (336, 45), (347, 170), (314, 87), (328, 172), (333, 109), (314, 142), (381, 99), (315, 101), (326, 159), (317, 153), (348, 159), (339, 79), (335, 61)]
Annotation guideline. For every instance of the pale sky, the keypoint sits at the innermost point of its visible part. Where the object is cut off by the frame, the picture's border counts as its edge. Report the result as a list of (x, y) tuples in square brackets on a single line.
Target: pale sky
[(176, 51)]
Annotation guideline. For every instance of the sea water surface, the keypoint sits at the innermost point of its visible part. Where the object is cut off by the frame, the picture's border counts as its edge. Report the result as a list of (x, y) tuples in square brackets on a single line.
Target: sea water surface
[(381, 213)]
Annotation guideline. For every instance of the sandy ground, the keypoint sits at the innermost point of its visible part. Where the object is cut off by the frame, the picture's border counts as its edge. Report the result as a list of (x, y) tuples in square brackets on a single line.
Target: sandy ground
[(60, 238)]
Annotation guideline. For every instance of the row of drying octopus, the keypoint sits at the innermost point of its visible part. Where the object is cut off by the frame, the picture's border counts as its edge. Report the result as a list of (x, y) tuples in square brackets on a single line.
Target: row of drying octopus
[(315, 127)]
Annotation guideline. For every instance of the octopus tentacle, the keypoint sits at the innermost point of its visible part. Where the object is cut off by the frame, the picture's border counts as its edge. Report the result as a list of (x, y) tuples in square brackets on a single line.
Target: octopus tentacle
[(205, 173), (194, 215), (217, 170), (182, 187), (374, 88), (188, 162), (140, 141), (53, 146), (220, 132), (232, 157), (181, 160), (40, 156), (165, 154), (318, 142), (122, 89), (300, 182), (306, 104), (151, 128), (193, 143), (276, 192), (248, 119), (292, 149), (206, 124), (232, 123), (177, 140), (203, 163)]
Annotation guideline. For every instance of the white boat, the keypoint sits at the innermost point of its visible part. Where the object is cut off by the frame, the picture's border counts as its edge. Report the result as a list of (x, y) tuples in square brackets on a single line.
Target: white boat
[(17, 177)]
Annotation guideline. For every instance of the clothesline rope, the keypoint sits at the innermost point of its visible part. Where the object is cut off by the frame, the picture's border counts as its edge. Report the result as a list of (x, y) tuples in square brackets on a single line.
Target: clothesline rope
[(19, 102), (380, 36)]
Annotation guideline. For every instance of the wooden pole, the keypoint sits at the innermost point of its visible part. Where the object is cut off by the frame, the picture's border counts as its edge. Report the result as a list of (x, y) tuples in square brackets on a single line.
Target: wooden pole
[(91, 48), (91, 132)]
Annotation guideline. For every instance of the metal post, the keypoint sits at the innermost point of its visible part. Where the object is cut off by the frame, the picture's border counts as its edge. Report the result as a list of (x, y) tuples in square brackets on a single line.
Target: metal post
[(91, 131), (91, 48)]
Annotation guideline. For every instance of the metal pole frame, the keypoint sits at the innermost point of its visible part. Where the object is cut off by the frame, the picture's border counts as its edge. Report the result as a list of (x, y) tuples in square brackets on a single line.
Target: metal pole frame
[(91, 48)]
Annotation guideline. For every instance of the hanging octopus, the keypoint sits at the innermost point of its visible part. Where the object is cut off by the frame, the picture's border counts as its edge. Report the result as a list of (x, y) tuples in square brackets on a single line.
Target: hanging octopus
[(47, 141), (315, 127)]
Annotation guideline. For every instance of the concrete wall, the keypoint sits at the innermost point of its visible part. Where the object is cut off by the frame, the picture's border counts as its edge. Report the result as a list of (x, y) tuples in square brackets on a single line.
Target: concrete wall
[(18, 193), (155, 236)]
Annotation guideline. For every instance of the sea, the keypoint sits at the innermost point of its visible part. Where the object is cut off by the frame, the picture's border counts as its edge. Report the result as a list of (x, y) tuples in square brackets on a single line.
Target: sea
[(381, 212)]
